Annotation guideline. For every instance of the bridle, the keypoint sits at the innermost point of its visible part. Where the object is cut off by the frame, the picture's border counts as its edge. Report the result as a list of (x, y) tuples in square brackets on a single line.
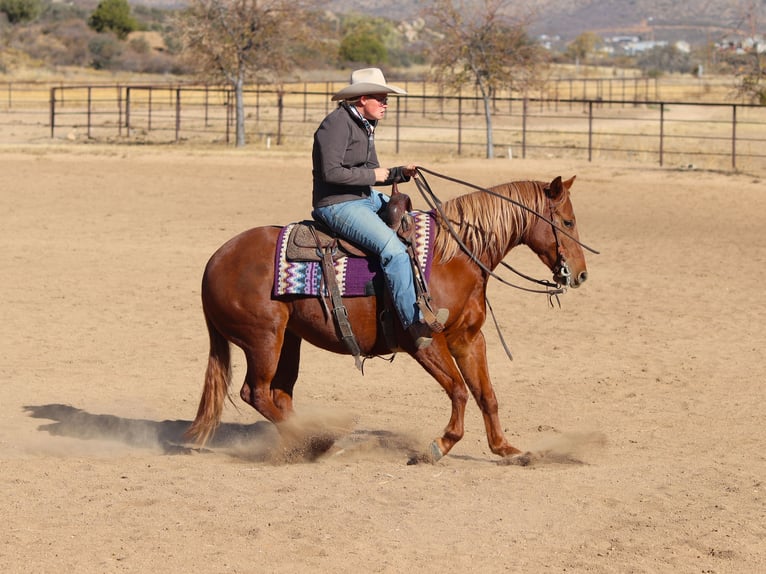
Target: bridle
[(561, 268)]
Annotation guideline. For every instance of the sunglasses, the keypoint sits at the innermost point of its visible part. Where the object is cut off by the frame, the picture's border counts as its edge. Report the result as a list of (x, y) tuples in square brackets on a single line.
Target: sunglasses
[(380, 99)]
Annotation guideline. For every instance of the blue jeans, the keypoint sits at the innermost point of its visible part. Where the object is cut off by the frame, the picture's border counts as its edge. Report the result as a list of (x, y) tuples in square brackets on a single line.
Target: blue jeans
[(358, 221)]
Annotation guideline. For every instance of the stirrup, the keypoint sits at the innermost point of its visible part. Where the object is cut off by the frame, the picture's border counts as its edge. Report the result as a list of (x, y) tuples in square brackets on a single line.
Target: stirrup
[(422, 332), (435, 321)]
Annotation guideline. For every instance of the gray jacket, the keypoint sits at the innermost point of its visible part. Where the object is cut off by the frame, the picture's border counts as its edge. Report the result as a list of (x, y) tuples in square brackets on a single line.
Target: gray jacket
[(344, 160)]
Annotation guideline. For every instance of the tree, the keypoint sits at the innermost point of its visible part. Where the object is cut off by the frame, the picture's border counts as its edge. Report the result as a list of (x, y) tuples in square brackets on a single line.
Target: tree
[(18, 11), (235, 40), (664, 59), (361, 45), (115, 16), (486, 47), (583, 46), (751, 83)]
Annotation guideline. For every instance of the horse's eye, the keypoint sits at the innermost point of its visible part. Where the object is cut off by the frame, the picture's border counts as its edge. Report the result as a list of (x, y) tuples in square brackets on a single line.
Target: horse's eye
[(568, 223)]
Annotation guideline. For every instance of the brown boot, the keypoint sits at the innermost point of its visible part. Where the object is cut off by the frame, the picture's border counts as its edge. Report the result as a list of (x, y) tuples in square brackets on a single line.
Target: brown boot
[(422, 333)]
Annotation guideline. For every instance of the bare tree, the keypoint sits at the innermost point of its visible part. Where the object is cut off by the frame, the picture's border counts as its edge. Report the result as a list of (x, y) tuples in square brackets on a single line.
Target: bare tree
[(237, 40), (751, 76), (484, 44)]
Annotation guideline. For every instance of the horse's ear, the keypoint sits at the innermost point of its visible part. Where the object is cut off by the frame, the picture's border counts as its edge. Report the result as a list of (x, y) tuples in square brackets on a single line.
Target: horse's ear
[(568, 183), (555, 188)]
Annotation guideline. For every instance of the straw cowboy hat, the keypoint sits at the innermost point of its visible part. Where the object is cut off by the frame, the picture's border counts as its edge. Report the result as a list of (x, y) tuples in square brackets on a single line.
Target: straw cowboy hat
[(366, 82)]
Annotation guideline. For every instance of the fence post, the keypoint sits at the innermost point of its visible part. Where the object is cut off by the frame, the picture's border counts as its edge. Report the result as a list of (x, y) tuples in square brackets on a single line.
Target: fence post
[(178, 114), (459, 124), (662, 133), (119, 110), (90, 94), (524, 128), (227, 94), (734, 136), (127, 111), (590, 130), (53, 110)]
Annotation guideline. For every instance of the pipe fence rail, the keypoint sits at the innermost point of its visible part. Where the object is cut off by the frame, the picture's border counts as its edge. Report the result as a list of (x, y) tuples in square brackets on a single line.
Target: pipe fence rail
[(688, 134)]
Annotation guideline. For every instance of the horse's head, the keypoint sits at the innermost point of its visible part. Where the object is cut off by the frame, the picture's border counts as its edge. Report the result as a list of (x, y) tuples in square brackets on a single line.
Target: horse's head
[(557, 246)]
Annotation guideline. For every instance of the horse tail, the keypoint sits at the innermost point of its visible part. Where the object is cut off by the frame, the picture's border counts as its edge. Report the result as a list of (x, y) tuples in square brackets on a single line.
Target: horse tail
[(216, 389)]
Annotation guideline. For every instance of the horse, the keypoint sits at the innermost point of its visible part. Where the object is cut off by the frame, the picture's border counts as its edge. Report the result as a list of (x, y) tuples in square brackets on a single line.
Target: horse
[(474, 232)]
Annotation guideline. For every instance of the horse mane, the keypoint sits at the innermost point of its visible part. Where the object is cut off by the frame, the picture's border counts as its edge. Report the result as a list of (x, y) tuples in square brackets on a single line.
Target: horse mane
[(488, 225)]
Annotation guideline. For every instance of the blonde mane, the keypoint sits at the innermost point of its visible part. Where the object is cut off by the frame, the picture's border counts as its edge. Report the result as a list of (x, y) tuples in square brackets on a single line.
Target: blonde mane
[(489, 226)]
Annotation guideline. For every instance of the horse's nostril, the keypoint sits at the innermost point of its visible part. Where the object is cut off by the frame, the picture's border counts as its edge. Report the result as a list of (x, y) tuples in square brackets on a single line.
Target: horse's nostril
[(582, 277)]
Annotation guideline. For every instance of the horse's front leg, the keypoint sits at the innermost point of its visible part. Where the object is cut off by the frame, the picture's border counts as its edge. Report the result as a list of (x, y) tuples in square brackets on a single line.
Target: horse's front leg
[(471, 359), (437, 360)]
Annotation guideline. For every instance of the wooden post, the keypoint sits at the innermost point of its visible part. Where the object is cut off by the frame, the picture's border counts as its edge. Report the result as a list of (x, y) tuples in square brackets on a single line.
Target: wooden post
[(53, 111)]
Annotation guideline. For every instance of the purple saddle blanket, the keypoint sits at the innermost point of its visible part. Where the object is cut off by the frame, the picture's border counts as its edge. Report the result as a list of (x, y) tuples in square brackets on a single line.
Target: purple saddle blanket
[(354, 274)]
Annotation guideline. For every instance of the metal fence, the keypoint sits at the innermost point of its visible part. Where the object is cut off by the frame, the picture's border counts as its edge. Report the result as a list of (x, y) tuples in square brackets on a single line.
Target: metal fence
[(704, 135)]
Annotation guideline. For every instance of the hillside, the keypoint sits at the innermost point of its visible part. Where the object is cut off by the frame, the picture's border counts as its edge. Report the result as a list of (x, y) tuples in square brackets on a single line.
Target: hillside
[(693, 20), (696, 21)]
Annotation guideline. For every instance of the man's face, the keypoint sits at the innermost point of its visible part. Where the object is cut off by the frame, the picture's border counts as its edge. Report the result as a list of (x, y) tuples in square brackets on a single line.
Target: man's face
[(374, 106)]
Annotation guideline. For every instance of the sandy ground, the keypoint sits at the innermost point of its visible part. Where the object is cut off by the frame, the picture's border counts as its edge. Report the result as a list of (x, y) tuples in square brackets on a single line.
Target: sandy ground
[(645, 388)]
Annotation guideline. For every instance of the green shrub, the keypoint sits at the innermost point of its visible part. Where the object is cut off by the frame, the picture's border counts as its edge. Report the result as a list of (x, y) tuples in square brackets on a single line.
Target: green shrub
[(363, 47), (114, 16), (105, 50), (18, 11)]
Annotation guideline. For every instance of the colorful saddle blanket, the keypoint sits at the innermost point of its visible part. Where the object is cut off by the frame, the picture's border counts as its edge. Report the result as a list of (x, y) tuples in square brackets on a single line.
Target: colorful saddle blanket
[(354, 274)]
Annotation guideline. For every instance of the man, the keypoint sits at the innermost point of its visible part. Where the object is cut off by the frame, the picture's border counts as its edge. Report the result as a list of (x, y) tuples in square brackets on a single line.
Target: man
[(345, 167)]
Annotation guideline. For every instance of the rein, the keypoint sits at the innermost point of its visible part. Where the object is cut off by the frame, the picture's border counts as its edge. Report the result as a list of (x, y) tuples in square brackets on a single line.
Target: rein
[(552, 290), (422, 170)]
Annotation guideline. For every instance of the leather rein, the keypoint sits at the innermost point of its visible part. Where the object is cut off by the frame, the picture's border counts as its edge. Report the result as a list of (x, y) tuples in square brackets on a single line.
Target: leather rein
[(552, 290)]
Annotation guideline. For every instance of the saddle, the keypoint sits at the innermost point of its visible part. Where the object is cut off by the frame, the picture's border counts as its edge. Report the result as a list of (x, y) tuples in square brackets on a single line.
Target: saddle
[(312, 241)]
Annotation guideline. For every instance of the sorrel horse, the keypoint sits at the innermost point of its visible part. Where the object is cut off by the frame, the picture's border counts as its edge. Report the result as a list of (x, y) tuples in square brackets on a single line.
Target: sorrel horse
[(239, 307)]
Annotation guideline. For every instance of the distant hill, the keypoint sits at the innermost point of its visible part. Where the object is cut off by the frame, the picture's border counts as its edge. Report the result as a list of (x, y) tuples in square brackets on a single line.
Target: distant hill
[(695, 21)]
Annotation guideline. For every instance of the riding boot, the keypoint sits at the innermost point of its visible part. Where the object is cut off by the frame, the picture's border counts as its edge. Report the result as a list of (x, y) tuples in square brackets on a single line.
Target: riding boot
[(422, 333)]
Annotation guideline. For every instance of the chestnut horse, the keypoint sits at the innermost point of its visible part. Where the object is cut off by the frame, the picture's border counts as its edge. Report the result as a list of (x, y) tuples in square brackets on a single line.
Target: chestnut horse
[(239, 307)]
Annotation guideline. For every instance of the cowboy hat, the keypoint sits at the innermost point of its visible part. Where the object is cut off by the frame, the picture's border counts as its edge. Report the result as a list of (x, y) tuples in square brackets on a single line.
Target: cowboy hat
[(365, 82)]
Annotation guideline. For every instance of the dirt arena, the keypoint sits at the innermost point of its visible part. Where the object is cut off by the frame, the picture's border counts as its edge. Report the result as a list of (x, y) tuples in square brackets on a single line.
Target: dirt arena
[(645, 390)]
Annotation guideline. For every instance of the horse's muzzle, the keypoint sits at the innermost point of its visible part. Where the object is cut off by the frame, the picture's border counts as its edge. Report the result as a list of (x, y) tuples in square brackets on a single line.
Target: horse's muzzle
[(563, 276)]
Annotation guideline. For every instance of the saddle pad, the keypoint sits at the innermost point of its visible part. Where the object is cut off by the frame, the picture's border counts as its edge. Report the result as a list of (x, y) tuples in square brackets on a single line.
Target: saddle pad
[(354, 274)]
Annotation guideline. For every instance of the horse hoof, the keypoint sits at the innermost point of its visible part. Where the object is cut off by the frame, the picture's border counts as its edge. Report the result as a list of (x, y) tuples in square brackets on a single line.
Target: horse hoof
[(433, 455)]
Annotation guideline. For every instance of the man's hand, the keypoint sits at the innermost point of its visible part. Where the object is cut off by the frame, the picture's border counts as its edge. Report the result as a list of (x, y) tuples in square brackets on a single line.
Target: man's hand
[(410, 170), (381, 174)]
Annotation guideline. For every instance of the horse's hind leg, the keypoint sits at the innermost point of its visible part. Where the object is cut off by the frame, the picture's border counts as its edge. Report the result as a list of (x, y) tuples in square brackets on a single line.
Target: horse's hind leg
[(272, 369), (268, 387), (287, 373)]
